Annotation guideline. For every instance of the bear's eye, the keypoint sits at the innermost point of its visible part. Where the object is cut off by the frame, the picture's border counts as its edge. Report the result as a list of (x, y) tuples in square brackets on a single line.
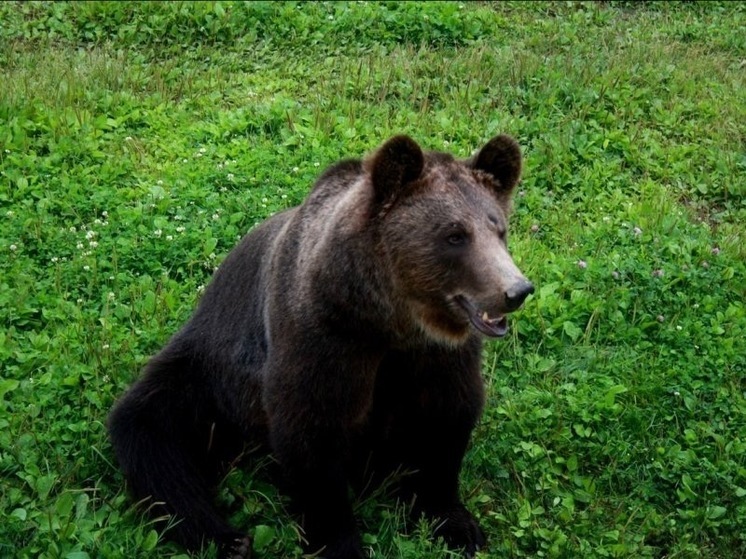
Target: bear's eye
[(457, 237)]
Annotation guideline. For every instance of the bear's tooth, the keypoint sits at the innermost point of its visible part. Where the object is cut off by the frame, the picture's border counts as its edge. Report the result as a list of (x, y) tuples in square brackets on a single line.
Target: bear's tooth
[(485, 316)]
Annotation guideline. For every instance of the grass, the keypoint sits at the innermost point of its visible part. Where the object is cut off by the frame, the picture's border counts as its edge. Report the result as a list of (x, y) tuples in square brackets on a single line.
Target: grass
[(139, 141)]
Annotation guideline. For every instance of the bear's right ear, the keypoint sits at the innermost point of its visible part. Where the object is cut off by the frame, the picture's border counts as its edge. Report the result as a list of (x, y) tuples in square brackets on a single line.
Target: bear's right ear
[(501, 158), (396, 164)]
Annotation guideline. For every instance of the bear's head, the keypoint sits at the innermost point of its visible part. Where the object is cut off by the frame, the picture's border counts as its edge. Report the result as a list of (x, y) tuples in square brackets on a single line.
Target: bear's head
[(443, 227)]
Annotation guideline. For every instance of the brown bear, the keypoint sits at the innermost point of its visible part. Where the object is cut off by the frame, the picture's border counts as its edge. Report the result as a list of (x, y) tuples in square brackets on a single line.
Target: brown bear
[(345, 336)]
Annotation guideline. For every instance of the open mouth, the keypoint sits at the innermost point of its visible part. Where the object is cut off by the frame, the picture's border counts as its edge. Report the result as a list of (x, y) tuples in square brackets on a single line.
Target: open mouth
[(494, 327)]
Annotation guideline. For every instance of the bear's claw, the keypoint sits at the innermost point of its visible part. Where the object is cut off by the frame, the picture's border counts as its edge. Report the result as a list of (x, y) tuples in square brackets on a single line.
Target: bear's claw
[(239, 548), (460, 530)]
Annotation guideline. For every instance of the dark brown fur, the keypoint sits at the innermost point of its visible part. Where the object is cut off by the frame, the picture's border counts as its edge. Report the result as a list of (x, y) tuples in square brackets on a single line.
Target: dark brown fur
[(340, 335)]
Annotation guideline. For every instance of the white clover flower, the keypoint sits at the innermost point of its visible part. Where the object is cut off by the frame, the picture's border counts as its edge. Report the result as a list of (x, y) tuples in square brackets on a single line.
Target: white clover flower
[(90, 235), (13, 248), (215, 216), (87, 268), (535, 228), (679, 328), (223, 189), (105, 346), (128, 139), (715, 250), (582, 264), (169, 237), (284, 196), (212, 256), (295, 169), (202, 150), (55, 260), (615, 275), (160, 182), (111, 295), (72, 230), (200, 288), (79, 301), (93, 244), (105, 213), (185, 160), (660, 318), (230, 176), (10, 213), (157, 232), (637, 231), (79, 246), (180, 229), (316, 164)]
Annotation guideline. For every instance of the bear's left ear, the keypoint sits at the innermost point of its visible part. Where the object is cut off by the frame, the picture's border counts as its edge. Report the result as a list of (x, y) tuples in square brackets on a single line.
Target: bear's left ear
[(501, 158), (397, 163)]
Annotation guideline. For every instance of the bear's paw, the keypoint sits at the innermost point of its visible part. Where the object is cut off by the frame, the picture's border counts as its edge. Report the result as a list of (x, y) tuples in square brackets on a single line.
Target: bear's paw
[(236, 548), (460, 530), (345, 548)]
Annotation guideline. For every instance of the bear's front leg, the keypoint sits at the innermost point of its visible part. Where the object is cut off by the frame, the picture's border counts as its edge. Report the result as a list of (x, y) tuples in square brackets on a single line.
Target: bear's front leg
[(434, 485), (429, 403), (319, 493), (313, 407)]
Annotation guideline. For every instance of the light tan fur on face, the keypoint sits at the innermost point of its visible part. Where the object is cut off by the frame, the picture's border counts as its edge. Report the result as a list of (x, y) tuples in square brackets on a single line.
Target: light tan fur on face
[(411, 276), (486, 270)]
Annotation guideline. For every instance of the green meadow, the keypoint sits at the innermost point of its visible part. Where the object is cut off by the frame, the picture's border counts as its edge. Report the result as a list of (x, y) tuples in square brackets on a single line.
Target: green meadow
[(140, 140)]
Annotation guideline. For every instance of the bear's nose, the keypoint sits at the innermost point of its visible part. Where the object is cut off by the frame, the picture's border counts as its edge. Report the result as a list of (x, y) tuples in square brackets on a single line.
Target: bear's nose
[(517, 293)]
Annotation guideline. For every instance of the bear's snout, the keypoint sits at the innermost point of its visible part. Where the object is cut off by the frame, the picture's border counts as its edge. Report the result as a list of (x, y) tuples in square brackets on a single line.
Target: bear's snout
[(517, 293)]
